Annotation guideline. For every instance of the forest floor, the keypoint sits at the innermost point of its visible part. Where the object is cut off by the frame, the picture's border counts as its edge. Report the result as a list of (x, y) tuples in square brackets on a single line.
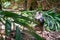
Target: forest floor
[(50, 35)]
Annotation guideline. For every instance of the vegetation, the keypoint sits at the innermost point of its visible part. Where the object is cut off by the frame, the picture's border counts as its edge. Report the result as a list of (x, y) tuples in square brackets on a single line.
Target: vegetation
[(19, 19), (27, 19)]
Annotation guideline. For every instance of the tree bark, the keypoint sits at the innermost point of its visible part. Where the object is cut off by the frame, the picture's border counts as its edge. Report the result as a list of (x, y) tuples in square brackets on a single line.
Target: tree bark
[(0, 5), (31, 4)]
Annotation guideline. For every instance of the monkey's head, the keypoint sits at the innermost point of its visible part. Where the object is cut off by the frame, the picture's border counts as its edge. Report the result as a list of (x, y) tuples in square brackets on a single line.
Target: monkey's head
[(39, 17)]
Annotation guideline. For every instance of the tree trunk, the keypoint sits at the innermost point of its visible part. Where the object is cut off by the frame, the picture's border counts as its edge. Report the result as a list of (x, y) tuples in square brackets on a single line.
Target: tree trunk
[(0, 5), (31, 4)]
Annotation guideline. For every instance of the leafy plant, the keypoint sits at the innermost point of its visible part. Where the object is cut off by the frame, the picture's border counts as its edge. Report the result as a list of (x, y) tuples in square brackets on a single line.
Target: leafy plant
[(52, 21), (8, 17), (51, 18)]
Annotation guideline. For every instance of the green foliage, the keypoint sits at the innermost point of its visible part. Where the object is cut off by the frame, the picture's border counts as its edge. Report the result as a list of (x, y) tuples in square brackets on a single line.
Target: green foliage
[(52, 20), (37, 37), (18, 34), (6, 4), (7, 27), (19, 19)]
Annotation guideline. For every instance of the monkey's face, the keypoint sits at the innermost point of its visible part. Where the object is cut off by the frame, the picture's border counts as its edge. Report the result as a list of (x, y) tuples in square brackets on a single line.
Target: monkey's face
[(39, 17)]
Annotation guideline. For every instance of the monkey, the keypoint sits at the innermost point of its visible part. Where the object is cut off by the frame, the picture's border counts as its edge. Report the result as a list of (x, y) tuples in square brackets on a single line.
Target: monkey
[(39, 18)]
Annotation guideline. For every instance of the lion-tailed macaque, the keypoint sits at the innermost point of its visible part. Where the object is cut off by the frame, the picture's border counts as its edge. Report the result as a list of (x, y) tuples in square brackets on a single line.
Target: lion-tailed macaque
[(39, 18)]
